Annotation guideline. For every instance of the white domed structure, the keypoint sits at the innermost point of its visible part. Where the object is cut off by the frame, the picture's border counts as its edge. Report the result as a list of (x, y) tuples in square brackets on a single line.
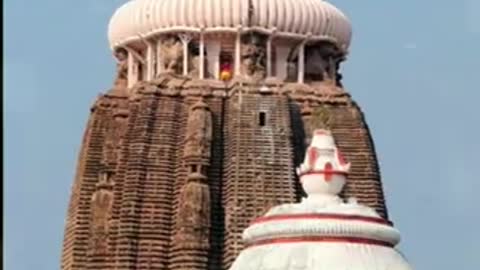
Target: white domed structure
[(321, 232), (290, 40), (290, 18)]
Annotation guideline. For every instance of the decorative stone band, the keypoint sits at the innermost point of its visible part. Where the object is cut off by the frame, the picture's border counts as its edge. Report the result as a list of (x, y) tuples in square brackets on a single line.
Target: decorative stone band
[(320, 226), (316, 239)]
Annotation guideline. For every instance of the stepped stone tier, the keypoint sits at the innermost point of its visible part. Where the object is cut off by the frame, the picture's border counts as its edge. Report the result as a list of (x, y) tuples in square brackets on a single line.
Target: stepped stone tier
[(212, 109), (322, 231)]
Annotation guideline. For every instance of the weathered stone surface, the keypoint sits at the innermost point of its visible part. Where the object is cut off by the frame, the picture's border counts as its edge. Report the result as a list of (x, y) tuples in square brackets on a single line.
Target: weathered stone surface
[(149, 212)]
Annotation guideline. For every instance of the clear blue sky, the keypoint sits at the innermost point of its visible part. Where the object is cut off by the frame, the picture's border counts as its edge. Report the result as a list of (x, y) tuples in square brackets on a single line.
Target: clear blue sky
[(414, 68)]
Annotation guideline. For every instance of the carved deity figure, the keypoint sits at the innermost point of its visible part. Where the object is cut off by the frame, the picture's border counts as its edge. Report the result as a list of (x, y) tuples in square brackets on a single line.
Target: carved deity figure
[(172, 53), (194, 60), (199, 131), (101, 205), (322, 61), (292, 63), (316, 65), (122, 68), (193, 218), (254, 56)]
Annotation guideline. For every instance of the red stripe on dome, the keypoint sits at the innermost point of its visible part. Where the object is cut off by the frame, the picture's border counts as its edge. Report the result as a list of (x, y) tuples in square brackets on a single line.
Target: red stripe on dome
[(322, 216), (318, 239), (329, 172), (323, 172)]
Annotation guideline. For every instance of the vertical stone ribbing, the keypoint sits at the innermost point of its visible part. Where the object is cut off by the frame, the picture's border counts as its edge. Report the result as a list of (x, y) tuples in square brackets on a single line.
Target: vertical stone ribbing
[(145, 214), (257, 142), (157, 208), (215, 183), (139, 137), (258, 170), (68, 253), (101, 249), (78, 228), (191, 240)]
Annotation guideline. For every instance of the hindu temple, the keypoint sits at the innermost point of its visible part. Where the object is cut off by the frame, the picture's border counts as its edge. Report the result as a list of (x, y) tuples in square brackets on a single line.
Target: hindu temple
[(214, 106)]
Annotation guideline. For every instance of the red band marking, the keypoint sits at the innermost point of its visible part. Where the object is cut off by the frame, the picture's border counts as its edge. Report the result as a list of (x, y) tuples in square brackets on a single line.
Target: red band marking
[(341, 159), (330, 239), (323, 216), (328, 169), (323, 172), (312, 156), (321, 132)]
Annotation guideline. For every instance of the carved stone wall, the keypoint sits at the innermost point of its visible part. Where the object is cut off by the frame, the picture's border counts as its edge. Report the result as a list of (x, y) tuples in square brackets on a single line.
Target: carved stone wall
[(258, 163), (245, 147)]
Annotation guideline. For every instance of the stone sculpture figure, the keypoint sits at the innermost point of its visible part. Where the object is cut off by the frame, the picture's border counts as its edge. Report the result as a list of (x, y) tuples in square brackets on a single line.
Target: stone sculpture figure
[(122, 68), (193, 218), (331, 54), (322, 118), (199, 131), (101, 204), (292, 63), (254, 56), (172, 53), (316, 66)]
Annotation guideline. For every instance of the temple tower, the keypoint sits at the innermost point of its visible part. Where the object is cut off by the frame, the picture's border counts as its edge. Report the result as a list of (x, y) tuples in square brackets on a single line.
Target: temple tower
[(211, 111)]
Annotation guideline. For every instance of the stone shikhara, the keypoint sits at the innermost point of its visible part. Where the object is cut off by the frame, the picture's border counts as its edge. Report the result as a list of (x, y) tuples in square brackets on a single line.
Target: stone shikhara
[(208, 119)]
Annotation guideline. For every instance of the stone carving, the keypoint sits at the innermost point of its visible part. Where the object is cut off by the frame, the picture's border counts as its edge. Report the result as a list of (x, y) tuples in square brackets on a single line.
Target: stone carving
[(194, 53), (233, 210), (195, 66), (253, 56), (322, 61), (172, 53), (194, 213), (101, 204), (199, 131), (315, 65), (292, 63), (315, 118), (321, 118), (121, 78)]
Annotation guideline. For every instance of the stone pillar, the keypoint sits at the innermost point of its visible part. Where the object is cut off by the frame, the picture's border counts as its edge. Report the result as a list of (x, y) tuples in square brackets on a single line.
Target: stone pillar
[(133, 69), (134, 62), (185, 38), (150, 61), (282, 52), (213, 55), (301, 63), (269, 53), (301, 60), (238, 52), (202, 55), (159, 62)]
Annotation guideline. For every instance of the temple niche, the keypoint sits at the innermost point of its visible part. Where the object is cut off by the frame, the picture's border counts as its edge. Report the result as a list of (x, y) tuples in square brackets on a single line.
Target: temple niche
[(121, 79), (172, 54), (194, 213), (253, 55), (195, 62), (199, 131), (292, 63), (322, 61), (101, 204), (193, 219)]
